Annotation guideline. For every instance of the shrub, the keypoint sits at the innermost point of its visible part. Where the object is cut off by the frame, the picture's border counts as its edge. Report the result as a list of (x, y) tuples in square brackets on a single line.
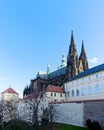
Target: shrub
[(96, 125), (89, 124), (93, 125), (15, 127), (44, 121)]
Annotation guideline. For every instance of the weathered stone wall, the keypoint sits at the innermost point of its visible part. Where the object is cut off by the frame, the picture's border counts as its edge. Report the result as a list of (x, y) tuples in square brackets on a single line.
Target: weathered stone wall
[(69, 113), (94, 111)]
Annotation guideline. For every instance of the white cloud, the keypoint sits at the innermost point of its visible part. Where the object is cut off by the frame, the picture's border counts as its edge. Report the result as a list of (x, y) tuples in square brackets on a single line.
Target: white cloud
[(93, 60)]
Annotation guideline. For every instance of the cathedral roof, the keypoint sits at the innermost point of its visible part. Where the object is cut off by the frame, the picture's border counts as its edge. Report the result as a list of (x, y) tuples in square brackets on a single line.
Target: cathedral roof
[(10, 90), (53, 74), (57, 73), (89, 71)]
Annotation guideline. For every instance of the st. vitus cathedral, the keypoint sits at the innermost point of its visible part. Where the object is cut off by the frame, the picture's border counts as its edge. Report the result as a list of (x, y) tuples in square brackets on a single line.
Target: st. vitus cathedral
[(74, 66)]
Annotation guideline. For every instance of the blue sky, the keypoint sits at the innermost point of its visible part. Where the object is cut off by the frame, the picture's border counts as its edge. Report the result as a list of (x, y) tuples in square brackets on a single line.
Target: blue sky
[(33, 32)]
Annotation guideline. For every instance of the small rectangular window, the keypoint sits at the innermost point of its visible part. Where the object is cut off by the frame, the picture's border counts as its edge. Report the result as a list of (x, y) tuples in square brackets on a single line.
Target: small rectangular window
[(68, 94), (55, 94), (51, 94), (56, 100)]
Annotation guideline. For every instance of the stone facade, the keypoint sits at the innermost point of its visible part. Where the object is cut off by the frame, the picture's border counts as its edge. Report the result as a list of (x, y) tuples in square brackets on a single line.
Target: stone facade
[(94, 111), (76, 113), (72, 59)]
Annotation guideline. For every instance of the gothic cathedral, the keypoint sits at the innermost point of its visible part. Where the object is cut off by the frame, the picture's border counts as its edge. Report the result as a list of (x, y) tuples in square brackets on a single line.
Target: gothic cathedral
[(65, 72)]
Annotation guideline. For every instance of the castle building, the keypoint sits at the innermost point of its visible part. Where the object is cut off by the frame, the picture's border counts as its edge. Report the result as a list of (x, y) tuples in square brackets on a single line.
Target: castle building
[(65, 72), (55, 94), (9, 95), (8, 104), (87, 85), (83, 95), (51, 94)]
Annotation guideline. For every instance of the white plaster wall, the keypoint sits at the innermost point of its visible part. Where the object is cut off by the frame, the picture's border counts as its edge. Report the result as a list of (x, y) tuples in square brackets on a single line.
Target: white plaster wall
[(9, 96), (25, 113), (56, 98), (69, 113), (85, 82)]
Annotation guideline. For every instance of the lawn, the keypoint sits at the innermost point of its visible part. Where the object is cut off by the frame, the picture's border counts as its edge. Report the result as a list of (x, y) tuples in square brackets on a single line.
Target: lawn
[(56, 126), (59, 126)]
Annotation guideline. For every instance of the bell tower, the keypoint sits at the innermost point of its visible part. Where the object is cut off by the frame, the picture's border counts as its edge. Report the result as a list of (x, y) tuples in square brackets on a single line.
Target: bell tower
[(72, 59), (83, 62)]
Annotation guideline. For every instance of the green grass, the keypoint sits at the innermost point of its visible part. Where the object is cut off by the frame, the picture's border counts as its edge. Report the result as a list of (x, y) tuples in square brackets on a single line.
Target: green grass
[(15, 125), (59, 126), (71, 127)]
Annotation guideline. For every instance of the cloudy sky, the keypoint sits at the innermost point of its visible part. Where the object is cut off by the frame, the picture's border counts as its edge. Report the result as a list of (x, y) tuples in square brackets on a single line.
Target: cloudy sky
[(33, 32)]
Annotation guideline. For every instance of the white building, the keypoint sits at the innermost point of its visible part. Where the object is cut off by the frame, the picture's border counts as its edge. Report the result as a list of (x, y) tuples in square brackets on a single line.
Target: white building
[(51, 94), (85, 98), (88, 85), (9, 99), (9, 95), (55, 94)]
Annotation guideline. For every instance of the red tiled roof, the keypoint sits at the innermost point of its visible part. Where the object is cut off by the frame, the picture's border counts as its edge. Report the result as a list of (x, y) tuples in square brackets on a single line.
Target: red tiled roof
[(57, 89), (10, 90)]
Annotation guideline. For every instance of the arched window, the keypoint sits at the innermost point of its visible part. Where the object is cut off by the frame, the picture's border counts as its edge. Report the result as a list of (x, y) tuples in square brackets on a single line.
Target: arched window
[(89, 90), (77, 92), (97, 76), (97, 88), (72, 93), (83, 91), (68, 94)]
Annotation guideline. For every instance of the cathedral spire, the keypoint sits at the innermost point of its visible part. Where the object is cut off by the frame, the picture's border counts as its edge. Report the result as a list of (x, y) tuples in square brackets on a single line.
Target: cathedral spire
[(63, 61), (72, 47), (83, 50), (72, 59), (83, 63), (48, 68), (72, 38)]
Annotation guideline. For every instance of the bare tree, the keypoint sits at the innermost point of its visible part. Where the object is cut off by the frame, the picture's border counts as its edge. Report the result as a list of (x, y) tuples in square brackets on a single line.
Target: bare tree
[(9, 110), (34, 103), (52, 113)]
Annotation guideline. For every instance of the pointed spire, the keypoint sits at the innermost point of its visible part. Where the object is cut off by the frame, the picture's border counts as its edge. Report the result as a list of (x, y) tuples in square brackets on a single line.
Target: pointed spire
[(83, 53), (83, 46), (63, 61), (72, 47), (72, 59), (48, 68), (72, 38), (83, 62)]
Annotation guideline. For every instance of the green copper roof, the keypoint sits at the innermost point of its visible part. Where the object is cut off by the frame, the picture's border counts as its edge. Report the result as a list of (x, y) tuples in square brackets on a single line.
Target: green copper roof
[(57, 73), (53, 74)]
